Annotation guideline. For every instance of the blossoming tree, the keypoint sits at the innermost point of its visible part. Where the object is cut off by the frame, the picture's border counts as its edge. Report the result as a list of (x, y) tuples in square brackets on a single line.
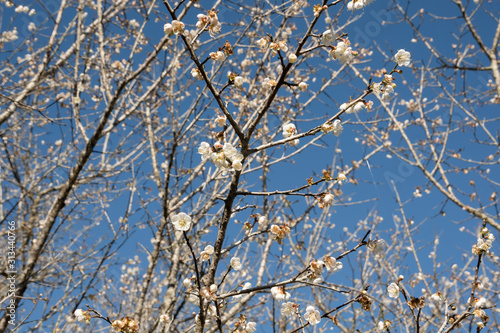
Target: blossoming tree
[(215, 166)]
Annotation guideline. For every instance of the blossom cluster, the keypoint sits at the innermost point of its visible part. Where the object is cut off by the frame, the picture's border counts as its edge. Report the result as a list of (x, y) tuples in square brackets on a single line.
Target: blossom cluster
[(224, 156), (484, 242), (280, 294), (82, 316), (205, 254), (125, 325), (244, 326), (275, 46), (353, 108), (325, 200), (176, 27), (343, 51), (316, 267), (9, 36), (211, 20), (335, 127), (280, 232), (358, 4), (385, 88)]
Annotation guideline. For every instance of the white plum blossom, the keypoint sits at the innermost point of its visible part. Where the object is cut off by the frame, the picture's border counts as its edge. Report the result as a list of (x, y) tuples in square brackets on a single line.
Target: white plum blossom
[(289, 130), (217, 56), (196, 74), (220, 121), (287, 309), (205, 254), (484, 242), (335, 127), (238, 82), (278, 46), (202, 21), (353, 108), (279, 293), (187, 283), (386, 92), (403, 58), (328, 37), (341, 178), (268, 83), (80, 315), (225, 157), (181, 222), (262, 43), (22, 9), (358, 4), (342, 52), (331, 264), (168, 29), (204, 150), (312, 315), (292, 58), (302, 86), (328, 198), (236, 263), (177, 27), (393, 290)]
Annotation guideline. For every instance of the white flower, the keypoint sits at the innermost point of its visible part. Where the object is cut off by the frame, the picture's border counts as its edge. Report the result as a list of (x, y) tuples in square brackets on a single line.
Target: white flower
[(187, 283), (220, 121), (238, 82), (302, 86), (263, 43), (202, 21), (237, 165), (312, 315), (437, 297), (341, 177), (196, 74), (393, 290), (204, 150), (280, 294), (164, 318), (337, 127), (328, 37), (250, 327), (218, 56), (342, 52), (287, 309), (289, 130), (403, 58), (292, 58), (168, 29), (177, 27), (332, 264), (236, 263), (181, 222), (328, 198), (80, 315)]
